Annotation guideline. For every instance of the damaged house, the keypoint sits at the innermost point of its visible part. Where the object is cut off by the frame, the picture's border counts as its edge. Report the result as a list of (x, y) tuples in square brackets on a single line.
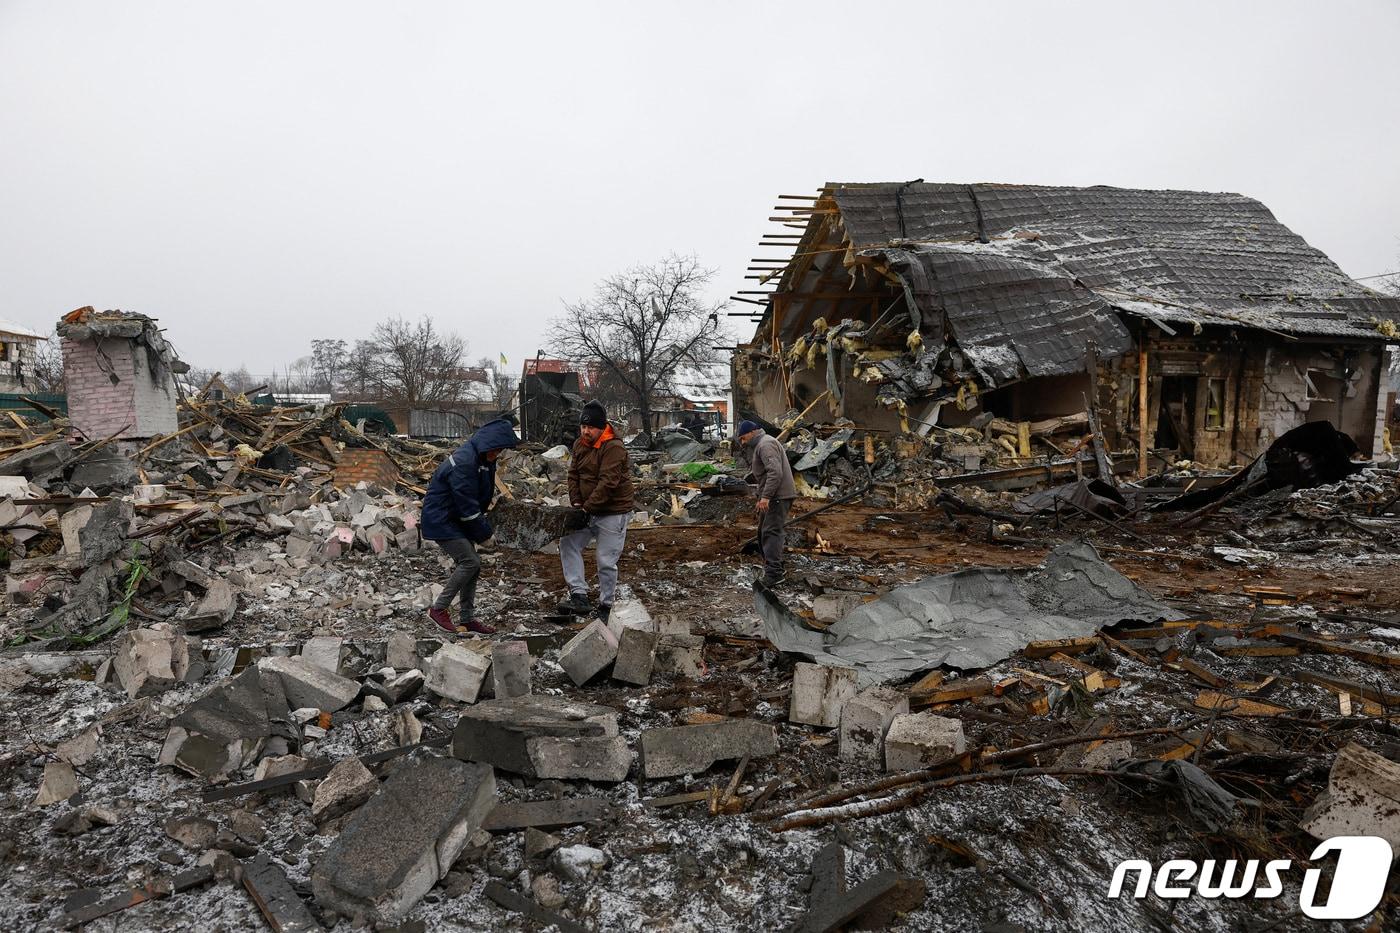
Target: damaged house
[(1201, 324)]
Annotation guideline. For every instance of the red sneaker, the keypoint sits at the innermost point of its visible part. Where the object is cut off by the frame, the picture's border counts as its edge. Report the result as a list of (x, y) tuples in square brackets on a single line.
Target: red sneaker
[(443, 620), (478, 627)]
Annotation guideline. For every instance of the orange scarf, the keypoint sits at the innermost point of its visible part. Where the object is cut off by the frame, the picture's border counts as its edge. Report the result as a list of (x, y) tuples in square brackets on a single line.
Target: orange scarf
[(603, 438)]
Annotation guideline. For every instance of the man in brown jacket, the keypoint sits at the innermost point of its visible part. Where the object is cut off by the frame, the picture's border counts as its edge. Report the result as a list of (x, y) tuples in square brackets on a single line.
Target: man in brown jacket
[(767, 459), (600, 484)]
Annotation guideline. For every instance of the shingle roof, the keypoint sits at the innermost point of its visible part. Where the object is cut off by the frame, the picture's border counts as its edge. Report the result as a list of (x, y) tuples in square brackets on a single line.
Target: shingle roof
[(1188, 256)]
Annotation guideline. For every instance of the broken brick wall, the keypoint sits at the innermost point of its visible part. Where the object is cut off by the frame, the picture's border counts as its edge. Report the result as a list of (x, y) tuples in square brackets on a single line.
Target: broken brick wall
[(112, 389), (365, 464)]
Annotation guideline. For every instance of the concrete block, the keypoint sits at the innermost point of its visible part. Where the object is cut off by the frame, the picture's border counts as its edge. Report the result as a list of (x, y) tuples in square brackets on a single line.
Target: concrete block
[(151, 660), (865, 719), (348, 785), (681, 655), (677, 750), (545, 737), (306, 684), (404, 840), (588, 652), (222, 731), (510, 669), (401, 651), (819, 693), (324, 651), (916, 740), (60, 782), (636, 656), (457, 673), (629, 613)]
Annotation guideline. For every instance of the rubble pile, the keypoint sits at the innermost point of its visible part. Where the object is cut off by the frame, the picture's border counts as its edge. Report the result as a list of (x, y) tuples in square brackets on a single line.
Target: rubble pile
[(223, 707)]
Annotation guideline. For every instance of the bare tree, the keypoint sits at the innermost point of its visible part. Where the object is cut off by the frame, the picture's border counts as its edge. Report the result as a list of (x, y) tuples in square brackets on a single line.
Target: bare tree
[(48, 364), (642, 324), (416, 363), (328, 362), (361, 369)]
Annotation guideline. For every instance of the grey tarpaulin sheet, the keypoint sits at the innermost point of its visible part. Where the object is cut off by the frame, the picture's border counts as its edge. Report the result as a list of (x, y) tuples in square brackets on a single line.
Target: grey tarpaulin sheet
[(967, 619)]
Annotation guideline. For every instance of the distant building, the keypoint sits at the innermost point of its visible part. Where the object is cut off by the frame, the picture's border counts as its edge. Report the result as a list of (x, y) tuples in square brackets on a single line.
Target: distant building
[(19, 347)]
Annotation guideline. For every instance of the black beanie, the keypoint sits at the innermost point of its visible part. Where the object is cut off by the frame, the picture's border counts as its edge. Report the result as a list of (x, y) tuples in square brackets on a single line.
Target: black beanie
[(594, 415)]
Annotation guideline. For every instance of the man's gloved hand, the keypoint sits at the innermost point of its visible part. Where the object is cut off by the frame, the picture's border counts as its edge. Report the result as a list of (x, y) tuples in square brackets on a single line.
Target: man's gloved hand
[(576, 520)]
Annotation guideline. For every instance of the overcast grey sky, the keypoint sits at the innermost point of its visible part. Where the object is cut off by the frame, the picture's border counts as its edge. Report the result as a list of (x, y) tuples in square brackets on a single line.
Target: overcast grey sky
[(258, 174)]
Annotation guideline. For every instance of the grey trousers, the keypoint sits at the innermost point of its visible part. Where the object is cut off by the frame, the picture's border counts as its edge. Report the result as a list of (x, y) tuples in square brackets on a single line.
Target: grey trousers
[(611, 532), (463, 577), (772, 535)]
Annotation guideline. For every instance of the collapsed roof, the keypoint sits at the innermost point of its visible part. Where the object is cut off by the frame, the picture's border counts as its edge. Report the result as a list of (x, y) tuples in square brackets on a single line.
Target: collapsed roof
[(1023, 277)]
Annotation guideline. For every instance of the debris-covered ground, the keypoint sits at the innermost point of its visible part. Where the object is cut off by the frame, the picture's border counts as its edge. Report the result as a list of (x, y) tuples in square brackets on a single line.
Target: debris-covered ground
[(172, 731)]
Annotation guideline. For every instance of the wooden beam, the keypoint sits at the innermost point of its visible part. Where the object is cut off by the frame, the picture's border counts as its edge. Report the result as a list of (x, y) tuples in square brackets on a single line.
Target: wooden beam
[(1142, 404)]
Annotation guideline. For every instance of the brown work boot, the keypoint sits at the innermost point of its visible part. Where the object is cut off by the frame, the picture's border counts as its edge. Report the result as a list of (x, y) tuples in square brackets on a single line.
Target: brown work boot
[(478, 627)]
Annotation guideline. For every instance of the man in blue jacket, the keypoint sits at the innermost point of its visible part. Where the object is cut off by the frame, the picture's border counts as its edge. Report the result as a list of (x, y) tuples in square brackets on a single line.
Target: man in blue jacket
[(454, 515)]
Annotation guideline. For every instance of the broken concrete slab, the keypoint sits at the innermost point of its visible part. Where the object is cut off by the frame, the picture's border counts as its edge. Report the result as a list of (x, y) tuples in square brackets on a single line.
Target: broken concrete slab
[(348, 786), (215, 609), (222, 731), (510, 669), (60, 782), (151, 660), (407, 729), (404, 686), (457, 673), (865, 719), (819, 693), (394, 849), (103, 535), (675, 750), (1362, 798), (636, 656), (588, 652), (307, 685), (916, 740), (192, 832), (37, 461), (681, 655), (324, 651), (105, 471), (539, 843), (401, 651), (80, 749), (545, 737)]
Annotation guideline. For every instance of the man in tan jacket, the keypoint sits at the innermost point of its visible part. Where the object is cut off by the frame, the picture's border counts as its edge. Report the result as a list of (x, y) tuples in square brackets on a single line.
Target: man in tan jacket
[(767, 459), (600, 484)]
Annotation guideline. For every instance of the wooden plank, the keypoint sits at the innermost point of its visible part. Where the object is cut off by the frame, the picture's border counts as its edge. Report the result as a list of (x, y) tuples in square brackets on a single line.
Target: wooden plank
[(520, 904), (694, 796), (161, 887), (928, 684), (1093, 679), (1312, 643), (546, 813), (278, 902), (1044, 649), (1341, 685), (964, 689), (1200, 672), (1235, 706)]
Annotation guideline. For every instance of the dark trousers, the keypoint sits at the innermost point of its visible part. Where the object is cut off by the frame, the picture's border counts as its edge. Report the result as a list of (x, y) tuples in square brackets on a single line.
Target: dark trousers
[(463, 577), (772, 535)]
